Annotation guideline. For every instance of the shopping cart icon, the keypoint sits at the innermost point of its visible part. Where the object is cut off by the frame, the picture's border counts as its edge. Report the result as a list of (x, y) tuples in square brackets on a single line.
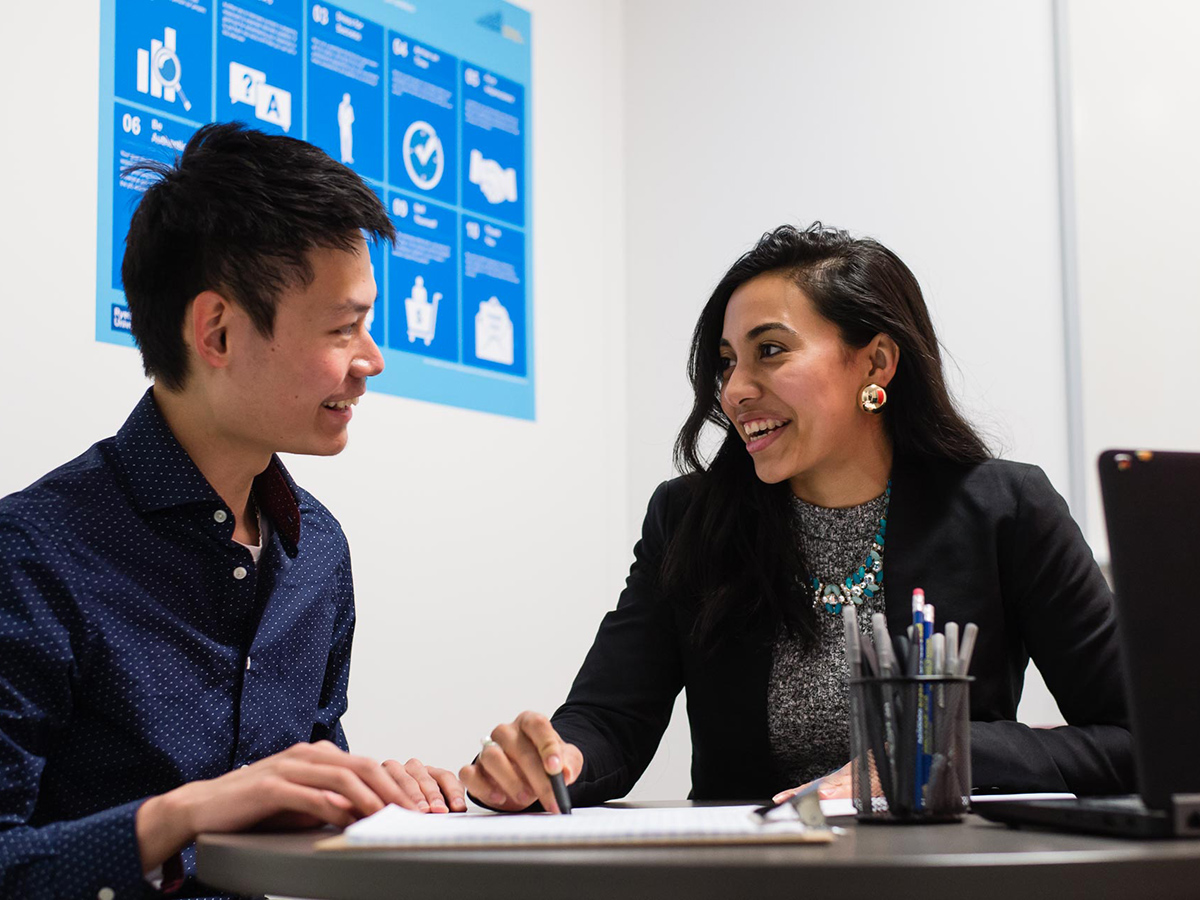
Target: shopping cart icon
[(421, 312)]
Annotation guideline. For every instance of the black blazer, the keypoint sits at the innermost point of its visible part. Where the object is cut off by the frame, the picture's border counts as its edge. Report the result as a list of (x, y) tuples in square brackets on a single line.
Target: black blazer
[(991, 543)]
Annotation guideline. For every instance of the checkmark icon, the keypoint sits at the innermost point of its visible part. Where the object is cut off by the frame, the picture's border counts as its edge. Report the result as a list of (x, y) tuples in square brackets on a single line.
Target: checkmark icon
[(423, 155), (424, 151)]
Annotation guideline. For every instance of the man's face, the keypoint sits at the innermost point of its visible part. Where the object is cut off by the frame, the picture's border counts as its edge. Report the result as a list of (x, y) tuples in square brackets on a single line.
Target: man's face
[(293, 392)]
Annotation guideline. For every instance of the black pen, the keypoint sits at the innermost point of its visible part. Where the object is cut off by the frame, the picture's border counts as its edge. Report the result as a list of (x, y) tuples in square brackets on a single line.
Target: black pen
[(561, 797)]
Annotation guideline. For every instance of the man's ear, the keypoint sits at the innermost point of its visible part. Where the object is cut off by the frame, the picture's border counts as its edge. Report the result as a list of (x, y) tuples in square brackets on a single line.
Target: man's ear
[(207, 325), (882, 355)]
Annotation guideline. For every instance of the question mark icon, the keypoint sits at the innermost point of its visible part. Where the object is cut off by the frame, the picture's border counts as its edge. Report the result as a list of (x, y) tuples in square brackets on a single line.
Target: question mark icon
[(248, 88)]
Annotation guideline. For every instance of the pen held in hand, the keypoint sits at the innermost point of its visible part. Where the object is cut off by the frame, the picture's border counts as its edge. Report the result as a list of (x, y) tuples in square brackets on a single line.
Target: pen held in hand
[(561, 797)]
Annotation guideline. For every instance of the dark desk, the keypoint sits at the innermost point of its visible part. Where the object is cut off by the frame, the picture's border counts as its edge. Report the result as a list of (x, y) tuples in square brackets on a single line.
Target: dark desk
[(975, 860)]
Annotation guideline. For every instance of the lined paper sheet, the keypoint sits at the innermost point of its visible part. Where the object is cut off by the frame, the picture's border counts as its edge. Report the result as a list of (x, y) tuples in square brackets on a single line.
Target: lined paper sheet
[(396, 828)]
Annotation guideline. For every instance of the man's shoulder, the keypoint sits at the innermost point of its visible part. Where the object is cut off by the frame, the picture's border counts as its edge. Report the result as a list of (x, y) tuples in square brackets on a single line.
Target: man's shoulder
[(51, 506), (318, 524)]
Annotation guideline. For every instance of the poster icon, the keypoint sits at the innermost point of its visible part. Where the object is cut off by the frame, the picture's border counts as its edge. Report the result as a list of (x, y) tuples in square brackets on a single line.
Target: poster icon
[(423, 154), (497, 183), (244, 82), (494, 332), (421, 312), (271, 104), (345, 117), (159, 70)]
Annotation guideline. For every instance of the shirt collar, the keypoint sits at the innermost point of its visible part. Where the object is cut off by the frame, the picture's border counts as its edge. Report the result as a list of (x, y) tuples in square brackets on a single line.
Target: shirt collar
[(161, 475)]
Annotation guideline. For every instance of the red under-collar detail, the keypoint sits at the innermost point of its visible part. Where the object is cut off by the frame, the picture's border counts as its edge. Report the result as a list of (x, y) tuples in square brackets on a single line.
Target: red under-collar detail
[(276, 499)]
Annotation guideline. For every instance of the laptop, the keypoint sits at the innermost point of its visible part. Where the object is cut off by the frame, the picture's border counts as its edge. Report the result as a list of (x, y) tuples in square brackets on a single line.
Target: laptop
[(1152, 510)]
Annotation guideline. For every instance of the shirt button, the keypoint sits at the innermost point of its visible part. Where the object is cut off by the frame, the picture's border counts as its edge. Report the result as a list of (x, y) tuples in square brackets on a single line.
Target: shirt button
[(220, 515), (105, 893), (239, 573)]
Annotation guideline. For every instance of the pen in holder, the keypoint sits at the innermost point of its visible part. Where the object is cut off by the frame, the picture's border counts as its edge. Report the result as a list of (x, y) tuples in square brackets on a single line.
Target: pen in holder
[(910, 745), (910, 723)]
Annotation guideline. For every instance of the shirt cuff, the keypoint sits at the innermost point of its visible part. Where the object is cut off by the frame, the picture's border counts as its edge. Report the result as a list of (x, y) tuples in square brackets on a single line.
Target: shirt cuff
[(103, 850)]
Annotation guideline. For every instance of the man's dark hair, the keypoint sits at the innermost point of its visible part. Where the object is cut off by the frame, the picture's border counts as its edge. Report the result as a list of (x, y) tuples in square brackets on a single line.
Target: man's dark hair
[(237, 213)]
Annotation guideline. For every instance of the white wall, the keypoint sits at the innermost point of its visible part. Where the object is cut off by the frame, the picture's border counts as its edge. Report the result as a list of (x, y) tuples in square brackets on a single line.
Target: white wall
[(668, 134), (485, 549), (927, 124), (1135, 79)]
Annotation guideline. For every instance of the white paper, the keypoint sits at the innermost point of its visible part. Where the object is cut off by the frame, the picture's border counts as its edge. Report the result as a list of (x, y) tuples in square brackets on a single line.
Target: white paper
[(843, 806), (394, 826)]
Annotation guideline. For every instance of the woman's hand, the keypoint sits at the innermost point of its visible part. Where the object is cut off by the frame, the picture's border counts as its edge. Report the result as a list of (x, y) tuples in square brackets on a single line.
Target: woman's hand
[(514, 767), (834, 786)]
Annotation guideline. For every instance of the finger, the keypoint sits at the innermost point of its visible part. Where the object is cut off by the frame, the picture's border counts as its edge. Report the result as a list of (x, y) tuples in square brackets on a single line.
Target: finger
[(409, 792), (572, 762), (527, 760), (291, 797), (476, 782), (484, 788), (545, 739), (367, 769), (383, 780), (338, 800), (834, 791), (790, 792), (499, 768), (429, 787), (451, 787), (318, 750), (335, 778)]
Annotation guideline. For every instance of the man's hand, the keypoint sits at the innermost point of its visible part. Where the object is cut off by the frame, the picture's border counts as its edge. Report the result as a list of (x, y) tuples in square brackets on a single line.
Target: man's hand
[(304, 786), (428, 789), (834, 786), (514, 768)]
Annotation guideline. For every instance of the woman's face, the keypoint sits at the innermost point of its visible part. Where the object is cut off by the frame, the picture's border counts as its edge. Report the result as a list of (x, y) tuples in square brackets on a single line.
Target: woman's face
[(791, 385)]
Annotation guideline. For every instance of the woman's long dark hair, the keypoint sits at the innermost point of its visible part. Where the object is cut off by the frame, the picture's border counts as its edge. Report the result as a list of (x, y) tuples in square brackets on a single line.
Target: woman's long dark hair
[(735, 554)]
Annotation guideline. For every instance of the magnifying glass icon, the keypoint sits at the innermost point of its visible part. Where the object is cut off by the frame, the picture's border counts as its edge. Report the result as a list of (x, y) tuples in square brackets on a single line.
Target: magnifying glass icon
[(167, 70)]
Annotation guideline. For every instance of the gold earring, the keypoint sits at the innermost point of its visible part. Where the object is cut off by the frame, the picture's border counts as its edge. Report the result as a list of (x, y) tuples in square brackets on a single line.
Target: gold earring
[(872, 399)]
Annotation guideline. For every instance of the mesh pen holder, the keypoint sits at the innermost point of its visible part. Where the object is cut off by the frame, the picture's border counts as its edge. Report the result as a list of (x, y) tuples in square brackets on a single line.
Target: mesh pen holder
[(910, 745)]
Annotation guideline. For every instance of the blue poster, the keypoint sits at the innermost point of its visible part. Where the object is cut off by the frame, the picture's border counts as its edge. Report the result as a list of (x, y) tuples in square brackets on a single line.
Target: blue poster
[(345, 88), (259, 65), (140, 137), (493, 146), (163, 56), (428, 102), (377, 318), (423, 119), (493, 296), (422, 308)]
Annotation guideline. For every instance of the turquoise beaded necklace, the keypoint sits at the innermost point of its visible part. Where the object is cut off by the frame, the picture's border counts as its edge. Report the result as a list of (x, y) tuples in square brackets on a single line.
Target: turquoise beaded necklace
[(865, 581)]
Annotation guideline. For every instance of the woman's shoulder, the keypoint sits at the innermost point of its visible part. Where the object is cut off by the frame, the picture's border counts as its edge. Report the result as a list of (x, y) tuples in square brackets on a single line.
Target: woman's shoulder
[(990, 482), (672, 497)]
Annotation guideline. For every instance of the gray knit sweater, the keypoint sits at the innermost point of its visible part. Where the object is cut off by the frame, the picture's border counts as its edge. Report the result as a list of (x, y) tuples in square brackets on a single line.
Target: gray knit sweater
[(808, 702)]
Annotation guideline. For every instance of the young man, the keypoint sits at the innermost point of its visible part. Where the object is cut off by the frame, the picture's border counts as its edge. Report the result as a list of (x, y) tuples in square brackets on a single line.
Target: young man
[(175, 613)]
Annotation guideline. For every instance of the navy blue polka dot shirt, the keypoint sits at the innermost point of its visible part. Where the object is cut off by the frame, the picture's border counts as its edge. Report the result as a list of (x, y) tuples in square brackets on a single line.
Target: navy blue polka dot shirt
[(141, 648)]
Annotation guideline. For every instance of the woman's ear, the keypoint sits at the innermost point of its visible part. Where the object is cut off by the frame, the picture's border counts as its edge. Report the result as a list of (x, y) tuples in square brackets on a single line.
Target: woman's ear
[(881, 357)]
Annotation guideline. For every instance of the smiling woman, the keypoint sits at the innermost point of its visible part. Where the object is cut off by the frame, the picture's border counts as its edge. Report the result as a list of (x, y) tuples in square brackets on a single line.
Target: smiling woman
[(843, 461)]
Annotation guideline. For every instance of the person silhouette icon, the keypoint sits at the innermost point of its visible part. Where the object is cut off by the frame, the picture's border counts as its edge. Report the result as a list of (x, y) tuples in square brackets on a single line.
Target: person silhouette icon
[(421, 312), (345, 116)]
